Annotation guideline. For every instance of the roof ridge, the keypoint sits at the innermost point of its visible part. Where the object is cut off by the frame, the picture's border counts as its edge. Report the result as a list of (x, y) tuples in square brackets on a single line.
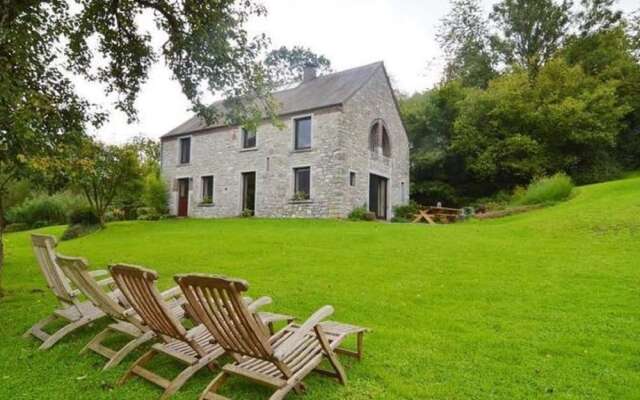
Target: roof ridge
[(332, 89)]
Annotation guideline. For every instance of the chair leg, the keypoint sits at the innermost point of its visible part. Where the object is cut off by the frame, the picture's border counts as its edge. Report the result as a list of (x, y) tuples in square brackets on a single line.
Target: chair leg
[(282, 392), (64, 331), (140, 362), (128, 348), (183, 377), (36, 330), (96, 340), (210, 393)]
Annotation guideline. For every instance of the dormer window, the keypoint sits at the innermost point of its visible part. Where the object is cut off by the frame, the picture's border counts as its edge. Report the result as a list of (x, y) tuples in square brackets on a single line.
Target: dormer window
[(379, 139), (185, 150), (302, 133), (248, 138)]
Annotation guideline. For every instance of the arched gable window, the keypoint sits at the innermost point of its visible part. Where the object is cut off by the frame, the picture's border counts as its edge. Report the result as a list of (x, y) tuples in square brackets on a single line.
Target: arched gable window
[(379, 139)]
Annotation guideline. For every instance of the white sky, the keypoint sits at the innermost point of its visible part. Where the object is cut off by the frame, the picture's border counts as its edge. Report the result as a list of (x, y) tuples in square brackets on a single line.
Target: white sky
[(349, 32)]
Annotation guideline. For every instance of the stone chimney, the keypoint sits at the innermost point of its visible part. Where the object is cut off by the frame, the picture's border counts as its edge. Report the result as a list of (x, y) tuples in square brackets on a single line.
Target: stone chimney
[(309, 73)]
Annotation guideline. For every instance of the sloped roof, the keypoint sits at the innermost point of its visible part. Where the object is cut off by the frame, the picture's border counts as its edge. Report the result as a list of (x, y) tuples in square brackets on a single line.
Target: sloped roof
[(322, 92)]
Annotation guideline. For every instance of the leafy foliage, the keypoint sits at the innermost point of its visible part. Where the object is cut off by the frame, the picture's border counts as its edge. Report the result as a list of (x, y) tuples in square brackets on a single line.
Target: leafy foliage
[(102, 172), (286, 65), (358, 213), (530, 31), (43, 210), (156, 194), (464, 37)]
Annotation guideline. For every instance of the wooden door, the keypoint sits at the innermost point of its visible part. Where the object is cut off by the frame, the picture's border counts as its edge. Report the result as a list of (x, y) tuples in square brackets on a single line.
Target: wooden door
[(249, 191), (378, 196), (183, 197)]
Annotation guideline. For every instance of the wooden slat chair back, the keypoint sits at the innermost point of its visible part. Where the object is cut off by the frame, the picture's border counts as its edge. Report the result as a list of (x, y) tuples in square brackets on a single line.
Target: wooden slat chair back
[(196, 348), (76, 269), (280, 361), (73, 311), (139, 287), (218, 303), (44, 249)]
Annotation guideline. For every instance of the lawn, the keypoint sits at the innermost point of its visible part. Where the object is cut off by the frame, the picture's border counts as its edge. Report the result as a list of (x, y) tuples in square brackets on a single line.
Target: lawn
[(539, 305)]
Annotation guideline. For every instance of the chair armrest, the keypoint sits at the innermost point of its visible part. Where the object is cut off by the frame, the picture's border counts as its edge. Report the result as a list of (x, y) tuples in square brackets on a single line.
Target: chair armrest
[(106, 282), (261, 302), (98, 272), (171, 293), (290, 344)]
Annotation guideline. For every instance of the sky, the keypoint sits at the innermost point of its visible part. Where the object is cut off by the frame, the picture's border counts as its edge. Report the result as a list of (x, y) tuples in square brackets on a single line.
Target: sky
[(349, 32)]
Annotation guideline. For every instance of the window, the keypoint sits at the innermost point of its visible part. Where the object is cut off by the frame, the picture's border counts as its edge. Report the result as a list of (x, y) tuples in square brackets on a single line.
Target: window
[(352, 178), (185, 150), (386, 146), (379, 139), (303, 133), (302, 183), (207, 189), (248, 138)]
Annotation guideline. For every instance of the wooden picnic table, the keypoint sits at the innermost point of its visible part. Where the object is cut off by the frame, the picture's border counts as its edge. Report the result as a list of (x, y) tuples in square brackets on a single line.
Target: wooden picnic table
[(440, 214)]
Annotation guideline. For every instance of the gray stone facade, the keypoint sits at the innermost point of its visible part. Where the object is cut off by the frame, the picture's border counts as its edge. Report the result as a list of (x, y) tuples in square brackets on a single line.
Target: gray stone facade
[(340, 146)]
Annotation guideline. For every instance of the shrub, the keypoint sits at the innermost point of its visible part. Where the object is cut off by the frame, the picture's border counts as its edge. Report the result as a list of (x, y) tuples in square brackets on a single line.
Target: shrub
[(78, 230), (114, 214), (370, 216), (155, 193), (546, 190), (400, 220), (40, 211), (148, 214), (406, 211), (44, 210), (16, 227), (358, 214), (83, 216), (246, 213)]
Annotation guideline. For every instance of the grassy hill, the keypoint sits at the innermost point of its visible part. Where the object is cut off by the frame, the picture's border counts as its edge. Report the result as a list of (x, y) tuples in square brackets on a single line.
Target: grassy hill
[(539, 305)]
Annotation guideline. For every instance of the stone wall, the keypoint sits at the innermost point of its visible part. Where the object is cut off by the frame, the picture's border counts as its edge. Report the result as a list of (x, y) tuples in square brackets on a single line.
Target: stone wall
[(374, 101), (218, 152)]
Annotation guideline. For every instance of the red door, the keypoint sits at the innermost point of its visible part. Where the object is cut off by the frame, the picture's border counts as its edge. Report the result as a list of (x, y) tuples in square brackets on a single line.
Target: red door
[(183, 197)]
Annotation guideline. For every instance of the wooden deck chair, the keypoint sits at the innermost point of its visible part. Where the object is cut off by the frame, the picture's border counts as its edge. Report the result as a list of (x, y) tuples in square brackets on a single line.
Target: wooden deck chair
[(281, 361), (126, 322), (196, 347), (76, 312)]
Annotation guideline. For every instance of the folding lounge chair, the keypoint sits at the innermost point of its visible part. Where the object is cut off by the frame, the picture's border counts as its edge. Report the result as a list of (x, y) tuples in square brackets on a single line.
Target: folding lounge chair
[(76, 312), (196, 347), (281, 361), (126, 322)]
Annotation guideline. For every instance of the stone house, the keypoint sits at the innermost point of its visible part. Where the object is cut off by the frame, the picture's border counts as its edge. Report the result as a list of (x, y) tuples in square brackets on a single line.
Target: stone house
[(343, 145)]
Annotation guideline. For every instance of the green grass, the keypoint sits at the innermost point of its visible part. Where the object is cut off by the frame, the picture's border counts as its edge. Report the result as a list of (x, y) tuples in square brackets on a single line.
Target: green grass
[(539, 305)]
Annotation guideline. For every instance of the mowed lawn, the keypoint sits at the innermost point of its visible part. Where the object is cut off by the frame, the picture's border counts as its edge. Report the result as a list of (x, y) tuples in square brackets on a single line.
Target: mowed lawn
[(539, 305)]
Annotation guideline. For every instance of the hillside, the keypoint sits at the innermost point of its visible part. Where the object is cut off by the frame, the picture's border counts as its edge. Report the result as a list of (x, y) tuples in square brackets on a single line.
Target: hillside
[(542, 304)]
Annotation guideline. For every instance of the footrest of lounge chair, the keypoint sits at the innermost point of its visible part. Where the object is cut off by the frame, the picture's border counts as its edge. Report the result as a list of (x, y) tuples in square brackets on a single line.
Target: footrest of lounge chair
[(332, 328)]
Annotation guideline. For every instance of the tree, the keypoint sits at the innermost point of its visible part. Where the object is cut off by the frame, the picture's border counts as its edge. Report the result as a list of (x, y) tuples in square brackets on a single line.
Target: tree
[(530, 31), (103, 172), (464, 37), (563, 121), (41, 115), (597, 16), (285, 65)]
